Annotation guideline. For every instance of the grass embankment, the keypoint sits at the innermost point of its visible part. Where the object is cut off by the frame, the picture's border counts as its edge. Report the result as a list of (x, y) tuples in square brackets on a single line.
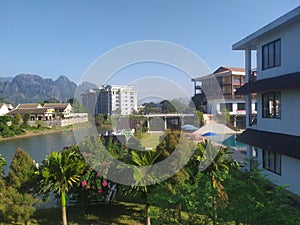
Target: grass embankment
[(43, 131), (112, 214), (150, 140)]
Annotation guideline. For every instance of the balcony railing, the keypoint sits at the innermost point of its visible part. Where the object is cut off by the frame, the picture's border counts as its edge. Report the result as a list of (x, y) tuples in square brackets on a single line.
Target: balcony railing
[(252, 76), (252, 120)]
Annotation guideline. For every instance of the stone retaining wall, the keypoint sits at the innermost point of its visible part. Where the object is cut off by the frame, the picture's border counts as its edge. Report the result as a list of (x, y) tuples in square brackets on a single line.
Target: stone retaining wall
[(77, 118)]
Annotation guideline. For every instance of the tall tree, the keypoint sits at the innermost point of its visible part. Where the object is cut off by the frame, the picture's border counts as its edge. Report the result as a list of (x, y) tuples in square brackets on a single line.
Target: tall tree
[(150, 107), (18, 191), (217, 171), (26, 118), (22, 172), (200, 118), (60, 172), (2, 164), (76, 106), (143, 159), (167, 107), (16, 120)]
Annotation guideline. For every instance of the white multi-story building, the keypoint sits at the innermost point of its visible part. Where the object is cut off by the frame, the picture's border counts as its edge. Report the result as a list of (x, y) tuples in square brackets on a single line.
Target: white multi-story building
[(111, 99), (274, 138)]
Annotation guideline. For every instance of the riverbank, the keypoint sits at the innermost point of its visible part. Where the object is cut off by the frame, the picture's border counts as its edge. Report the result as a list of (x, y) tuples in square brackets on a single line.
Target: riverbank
[(43, 131)]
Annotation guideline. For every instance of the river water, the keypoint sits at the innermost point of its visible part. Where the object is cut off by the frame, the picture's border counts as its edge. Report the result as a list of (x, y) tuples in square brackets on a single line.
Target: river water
[(37, 146)]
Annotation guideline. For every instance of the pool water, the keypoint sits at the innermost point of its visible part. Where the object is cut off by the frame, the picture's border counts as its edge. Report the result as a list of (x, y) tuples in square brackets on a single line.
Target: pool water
[(231, 142), (228, 140)]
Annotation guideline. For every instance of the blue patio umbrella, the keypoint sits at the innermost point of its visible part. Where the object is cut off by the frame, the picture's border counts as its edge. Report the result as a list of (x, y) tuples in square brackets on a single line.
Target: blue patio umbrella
[(209, 134), (189, 127)]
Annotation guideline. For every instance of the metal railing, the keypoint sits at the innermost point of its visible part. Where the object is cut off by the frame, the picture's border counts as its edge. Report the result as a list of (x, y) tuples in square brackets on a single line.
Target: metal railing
[(252, 120)]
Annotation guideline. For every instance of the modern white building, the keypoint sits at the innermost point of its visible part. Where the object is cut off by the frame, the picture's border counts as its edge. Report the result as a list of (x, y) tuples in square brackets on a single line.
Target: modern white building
[(111, 99), (274, 138)]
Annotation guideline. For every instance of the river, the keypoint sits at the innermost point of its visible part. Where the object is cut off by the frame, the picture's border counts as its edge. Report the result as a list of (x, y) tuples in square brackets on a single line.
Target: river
[(37, 146)]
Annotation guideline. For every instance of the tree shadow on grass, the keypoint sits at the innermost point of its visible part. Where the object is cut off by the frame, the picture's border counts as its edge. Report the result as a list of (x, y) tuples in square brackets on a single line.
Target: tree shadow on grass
[(121, 213)]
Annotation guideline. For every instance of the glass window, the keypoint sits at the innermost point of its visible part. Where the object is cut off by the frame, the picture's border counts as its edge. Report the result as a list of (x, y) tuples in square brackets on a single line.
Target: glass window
[(271, 54), (271, 105), (272, 161), (277, 53), (265, 54), (241, 106), (227, 106)]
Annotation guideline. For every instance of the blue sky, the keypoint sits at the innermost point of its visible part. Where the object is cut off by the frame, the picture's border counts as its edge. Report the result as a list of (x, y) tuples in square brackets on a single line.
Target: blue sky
[(52, 38)]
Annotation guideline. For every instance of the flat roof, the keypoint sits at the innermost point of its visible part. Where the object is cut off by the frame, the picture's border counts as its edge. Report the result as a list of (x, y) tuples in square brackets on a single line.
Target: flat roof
[(287, 81), (250, 41), (277, 142)]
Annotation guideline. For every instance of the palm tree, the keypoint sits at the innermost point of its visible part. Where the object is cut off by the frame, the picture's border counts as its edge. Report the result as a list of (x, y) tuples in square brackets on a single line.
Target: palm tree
[(217, 170), (142, 177), (59, 172)]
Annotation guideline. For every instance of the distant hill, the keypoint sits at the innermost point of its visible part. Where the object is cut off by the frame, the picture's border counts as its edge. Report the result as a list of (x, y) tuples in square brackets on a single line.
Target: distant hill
[(83, 88), (26, 88), (3, 79)]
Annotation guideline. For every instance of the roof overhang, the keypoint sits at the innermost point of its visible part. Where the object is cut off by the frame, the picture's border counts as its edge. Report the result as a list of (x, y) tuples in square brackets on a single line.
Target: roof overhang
[(281, 143), (250, 41), (288, 81)]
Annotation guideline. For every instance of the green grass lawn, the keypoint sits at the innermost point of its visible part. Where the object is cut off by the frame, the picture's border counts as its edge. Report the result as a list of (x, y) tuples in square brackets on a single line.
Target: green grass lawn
[(150, 139), (123, 213)]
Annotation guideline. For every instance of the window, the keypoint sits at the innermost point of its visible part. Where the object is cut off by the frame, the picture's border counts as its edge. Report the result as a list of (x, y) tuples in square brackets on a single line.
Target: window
[(272, 161), (241, 106), (227, 106), (271, 54), (237, 80), (271, 105)]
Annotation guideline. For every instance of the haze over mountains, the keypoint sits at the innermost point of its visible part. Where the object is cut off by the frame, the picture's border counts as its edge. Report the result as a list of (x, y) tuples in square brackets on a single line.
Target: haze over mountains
[(27, 88)]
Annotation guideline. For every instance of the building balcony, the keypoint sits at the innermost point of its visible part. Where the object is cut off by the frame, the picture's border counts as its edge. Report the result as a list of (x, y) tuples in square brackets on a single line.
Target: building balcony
[(252, 76), (252, 120)]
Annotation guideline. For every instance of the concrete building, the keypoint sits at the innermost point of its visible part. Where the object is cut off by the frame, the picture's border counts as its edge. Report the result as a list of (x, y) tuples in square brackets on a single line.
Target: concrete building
[(62, 110), (274, 138), (216, 92), (89, 100), (49, 111), (111, 99), (35, 111), (4, 109)]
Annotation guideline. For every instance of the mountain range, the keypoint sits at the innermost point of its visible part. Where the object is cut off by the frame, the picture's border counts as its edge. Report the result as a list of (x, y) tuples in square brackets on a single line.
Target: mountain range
[(29, 88)]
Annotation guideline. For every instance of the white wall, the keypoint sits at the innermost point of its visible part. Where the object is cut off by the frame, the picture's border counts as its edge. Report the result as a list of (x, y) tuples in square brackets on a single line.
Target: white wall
[(290, 175), (215, 106), (290, 107), (290, 114), (290, 52), (3, 110)]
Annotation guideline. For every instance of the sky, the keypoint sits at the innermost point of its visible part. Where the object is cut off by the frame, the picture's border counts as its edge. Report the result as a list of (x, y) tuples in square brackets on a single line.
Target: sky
[(53, 38)]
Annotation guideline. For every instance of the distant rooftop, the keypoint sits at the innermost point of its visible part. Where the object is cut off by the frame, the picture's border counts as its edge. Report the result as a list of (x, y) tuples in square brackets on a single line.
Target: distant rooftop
[(222, 70), (56, 105), (27, 110), (28, 106)]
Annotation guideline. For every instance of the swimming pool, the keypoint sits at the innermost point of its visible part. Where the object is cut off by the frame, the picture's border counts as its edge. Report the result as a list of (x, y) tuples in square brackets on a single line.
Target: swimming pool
[(228, 140)]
